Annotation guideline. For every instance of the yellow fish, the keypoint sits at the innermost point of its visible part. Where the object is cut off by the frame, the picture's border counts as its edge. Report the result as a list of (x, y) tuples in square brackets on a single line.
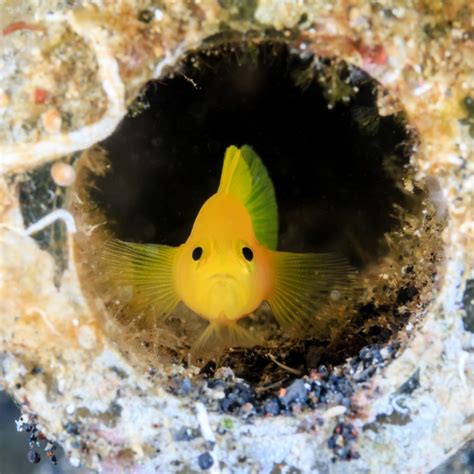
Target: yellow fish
[(229, 264)]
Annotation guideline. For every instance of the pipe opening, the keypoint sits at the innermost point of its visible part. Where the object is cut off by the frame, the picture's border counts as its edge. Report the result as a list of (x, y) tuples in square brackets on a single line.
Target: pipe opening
[(340, 165), (335, 170)]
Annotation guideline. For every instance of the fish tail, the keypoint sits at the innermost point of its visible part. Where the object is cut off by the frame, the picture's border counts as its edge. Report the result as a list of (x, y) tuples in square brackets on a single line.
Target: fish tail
[(220, 336)]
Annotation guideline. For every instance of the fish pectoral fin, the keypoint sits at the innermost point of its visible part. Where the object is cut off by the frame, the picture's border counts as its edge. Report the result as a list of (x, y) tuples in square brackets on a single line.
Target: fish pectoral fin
[(220, 336), (245, 177), (305, 282), (147, 271)]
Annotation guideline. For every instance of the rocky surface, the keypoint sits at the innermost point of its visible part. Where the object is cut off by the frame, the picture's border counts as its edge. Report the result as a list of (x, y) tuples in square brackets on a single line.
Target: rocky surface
[(373, 412)]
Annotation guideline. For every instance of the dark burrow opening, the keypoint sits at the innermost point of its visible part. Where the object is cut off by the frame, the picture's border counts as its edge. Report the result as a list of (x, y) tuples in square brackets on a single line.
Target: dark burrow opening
[(336, 170), (341, 174)]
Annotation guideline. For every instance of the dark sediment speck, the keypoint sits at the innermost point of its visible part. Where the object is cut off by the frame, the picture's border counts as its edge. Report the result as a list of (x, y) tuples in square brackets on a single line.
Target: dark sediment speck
[(468, 303), (369, 309), (72, 428), (342, 442), (321, 387), (365, 374), (272, 406), (209, 369), (145, 16), (296, 392), (236, 397), (205, 461), (185, 434), (411, 384), (406, 294), (179, 386), (33, 457)]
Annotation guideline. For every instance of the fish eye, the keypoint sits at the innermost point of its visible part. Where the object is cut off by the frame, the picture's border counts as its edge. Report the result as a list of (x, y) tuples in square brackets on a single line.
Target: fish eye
[(247, 253), (197, 253)]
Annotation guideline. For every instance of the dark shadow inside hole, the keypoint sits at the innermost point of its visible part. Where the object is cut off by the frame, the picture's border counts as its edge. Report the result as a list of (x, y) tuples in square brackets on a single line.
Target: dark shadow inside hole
[(338, 173), (332, 168)]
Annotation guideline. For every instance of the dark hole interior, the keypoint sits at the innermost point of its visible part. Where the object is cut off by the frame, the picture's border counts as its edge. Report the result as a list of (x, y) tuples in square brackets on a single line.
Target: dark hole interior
[(337, 168), (332, 167)]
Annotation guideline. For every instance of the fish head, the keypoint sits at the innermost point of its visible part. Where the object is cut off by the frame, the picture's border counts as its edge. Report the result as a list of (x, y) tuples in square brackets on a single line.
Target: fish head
[(221, 279)]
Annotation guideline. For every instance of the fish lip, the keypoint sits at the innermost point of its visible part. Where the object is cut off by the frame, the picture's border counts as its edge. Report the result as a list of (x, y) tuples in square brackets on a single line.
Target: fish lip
[(223, 276)]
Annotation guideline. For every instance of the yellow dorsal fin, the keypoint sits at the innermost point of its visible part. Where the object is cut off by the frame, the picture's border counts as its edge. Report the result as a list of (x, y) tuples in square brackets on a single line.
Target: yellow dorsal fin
[(245, 177)]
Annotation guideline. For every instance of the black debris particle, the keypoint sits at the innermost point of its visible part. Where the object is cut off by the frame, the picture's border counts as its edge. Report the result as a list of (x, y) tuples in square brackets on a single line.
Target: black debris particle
[(365, 374), (394, 418), (114, 409), (406, 294), (185, 433), (145, 16), (209, 369), (236, 397), (50, 450), (33, 457), (369, 310), (179, 386), (120, 372), (370, 354), (205, 461), (468, 303), (411, 384), (342, 442), (36, 438), (330, 388), (322, 386), (365, 364), (72, 428), (296, 392), (408, 269), (272, 406)]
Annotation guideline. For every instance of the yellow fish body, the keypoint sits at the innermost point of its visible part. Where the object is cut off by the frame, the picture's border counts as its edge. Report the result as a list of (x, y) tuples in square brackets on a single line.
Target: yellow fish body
[(229, 264)]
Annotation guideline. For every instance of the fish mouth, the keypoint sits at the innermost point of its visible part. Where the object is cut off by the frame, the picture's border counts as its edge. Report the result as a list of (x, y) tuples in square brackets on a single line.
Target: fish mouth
[(222, 287), (223, 277), (223, 296)]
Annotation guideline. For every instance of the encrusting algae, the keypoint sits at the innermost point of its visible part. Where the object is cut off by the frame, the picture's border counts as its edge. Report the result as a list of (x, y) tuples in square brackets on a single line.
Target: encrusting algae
[(229, 264)]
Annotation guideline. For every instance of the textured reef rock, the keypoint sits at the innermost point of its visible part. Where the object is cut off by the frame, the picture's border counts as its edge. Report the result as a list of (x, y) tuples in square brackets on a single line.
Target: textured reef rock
[(68, 72)]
